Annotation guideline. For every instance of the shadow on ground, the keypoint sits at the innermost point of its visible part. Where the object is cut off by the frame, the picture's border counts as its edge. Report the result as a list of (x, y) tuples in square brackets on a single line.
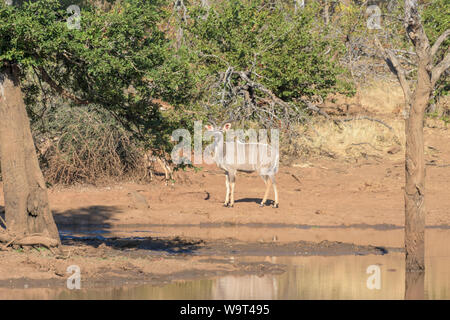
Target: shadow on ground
[(255, 200), (85, 224), (90, 226), (93, 215)]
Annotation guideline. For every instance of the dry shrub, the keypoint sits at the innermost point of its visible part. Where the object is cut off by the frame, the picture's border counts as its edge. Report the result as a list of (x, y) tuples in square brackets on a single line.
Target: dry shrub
[(349, 140), (88, 147)]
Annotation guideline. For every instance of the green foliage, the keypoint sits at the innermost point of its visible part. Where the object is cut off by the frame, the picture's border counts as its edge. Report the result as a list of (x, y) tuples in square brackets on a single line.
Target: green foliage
[(288, 53), (436, 19), (119, 59)]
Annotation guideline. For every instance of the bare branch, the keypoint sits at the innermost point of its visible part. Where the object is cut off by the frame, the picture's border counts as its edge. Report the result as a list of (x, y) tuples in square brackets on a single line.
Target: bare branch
[(315, 108), (263, 89), (439, 41), (370, 119), (440, 68), (396, 68)]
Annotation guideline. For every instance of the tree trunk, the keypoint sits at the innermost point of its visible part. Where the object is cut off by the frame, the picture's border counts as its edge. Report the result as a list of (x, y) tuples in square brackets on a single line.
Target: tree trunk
[(415, 174), (27, 209)]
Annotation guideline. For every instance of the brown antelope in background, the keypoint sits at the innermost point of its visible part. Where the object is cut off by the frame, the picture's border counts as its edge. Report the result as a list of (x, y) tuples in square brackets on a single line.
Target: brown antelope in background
[(150, 160), (244, 157)]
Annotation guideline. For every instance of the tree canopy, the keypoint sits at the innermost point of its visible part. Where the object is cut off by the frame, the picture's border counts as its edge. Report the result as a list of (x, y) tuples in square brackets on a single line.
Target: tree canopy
[(120, 58), (250, 53)]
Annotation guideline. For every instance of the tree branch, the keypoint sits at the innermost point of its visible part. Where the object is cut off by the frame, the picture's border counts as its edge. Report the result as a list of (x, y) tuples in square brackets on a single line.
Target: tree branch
[(60, 90), (254, 84), (32, 240), (439, 41), (370, 119), (415, 31), (397, 69), (440, 68)]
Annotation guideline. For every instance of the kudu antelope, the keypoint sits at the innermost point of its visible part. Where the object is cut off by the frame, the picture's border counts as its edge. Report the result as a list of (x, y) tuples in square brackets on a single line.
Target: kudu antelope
[(244, 157)]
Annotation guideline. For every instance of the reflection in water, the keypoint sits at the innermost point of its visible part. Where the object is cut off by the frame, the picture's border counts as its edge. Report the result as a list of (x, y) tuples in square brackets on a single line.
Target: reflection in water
[(339, 277), (414, 285), (262, 288)]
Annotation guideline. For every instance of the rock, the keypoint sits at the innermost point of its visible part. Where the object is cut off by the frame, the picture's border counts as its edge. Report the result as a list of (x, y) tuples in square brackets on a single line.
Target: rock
[(138, 201)]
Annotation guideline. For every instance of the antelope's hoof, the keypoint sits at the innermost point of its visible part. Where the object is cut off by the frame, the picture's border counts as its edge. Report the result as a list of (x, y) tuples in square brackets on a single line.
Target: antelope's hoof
[(230, 205), (225, 204), (261, 204), (275, 205)]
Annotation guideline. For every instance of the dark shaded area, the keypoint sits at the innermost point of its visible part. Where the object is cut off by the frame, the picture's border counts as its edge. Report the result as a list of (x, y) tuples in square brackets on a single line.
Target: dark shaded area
[(88, 226), (168, 245), (139, 246), (100, 216), (2, 214), (255, 200)]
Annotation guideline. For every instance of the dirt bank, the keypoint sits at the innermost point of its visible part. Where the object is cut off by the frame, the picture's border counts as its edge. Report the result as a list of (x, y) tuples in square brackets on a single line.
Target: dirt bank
[(119, 261)]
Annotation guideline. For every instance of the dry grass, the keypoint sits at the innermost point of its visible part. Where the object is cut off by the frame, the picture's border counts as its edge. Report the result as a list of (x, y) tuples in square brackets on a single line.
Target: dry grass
[(383, 97), (348, 141), (360, 139)]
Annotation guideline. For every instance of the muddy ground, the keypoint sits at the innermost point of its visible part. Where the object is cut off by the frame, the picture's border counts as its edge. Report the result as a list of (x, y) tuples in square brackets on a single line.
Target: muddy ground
[(152, 233)]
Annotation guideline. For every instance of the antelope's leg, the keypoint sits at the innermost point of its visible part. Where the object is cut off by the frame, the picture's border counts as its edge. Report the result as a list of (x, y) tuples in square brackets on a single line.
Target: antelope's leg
[(227, 183), (232, 181), (267, 183), (169, 175), (164, 167), (149, 171), (275, 191), (170, 171)]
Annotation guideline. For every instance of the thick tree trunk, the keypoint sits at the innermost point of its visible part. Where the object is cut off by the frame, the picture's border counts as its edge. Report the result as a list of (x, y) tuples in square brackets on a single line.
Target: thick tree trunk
[(415, 174), (27, 209)]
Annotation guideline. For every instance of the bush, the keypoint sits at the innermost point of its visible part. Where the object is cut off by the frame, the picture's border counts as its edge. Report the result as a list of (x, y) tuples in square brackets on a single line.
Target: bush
[(85, 145)]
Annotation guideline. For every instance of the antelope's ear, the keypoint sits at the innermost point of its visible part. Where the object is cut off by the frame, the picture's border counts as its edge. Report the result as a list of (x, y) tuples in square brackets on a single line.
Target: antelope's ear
[(209, 127), (227, 126)]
